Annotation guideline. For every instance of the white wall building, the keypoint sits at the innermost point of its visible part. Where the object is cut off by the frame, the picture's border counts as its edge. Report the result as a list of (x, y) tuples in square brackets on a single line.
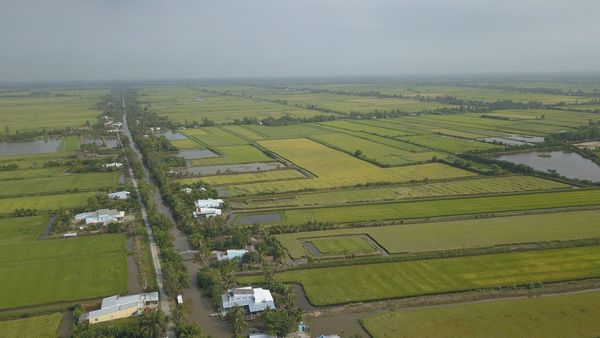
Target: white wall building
[(231, 254), (113, 165), (209, 203), (119, 195), (116, 307), (207, 212), (253, 299), (103, 216)]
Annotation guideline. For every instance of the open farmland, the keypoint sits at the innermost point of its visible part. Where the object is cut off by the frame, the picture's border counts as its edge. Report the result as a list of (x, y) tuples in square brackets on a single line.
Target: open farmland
[(473, 186), (567, 316), (74, 182), (464, 234), (274, 175), (243, 153), (339, 245), (21, 229), (45, 326), (43, 272), (355, 283), (52, 109), (45, 202), (337, 169), (377, 152), (183, 104), (443, 207)]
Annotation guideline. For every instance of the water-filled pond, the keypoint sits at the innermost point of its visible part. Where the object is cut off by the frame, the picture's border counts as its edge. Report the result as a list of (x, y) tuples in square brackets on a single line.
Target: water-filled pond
[(567, 164), (193, 154), (173, 135), (33, 147), (111, 142)]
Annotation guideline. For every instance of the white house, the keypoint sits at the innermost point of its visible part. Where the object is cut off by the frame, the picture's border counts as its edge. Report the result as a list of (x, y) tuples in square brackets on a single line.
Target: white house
[(119, 195), (113, 165), (253, 299), (231, 254), (207, 212), (116, 307), (209, 203), (187, 190), (103, 216)]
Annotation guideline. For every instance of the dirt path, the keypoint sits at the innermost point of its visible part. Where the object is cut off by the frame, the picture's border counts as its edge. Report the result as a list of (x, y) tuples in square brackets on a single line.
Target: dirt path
[(48, 227)]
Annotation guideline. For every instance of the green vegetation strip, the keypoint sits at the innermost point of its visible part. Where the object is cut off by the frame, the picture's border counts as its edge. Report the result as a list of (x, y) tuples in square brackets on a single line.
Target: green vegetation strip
[(444, 207), (423, 237), (45, 326), (88, 181), (46, 202), (569, 316), (345, 284), (50, 271)]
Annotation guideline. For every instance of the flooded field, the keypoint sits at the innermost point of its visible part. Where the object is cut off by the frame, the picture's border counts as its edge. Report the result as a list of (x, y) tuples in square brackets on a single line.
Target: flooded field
[(173, 135), (567, 164), (234, 168), (260, 218), (194, 154), (500, 140), (33, 147), (106, 142)]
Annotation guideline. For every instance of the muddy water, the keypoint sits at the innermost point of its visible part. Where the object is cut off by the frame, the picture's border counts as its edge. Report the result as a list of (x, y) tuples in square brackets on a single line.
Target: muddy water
[(235, 168), (193, 154), (134, 285), (570, 165), (173, 135), (33, 147), (65, 329)]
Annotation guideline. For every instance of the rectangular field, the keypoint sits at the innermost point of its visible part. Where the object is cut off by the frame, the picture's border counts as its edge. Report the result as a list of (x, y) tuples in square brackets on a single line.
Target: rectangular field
[(475, 186), (567, 316), (243, 153), (46, 202), (355, 283), (337, 169), (48, 271), (443, 207), (45, 326), (87, 181), (21, 229), (273, 175), (340, 245), (485, 232)]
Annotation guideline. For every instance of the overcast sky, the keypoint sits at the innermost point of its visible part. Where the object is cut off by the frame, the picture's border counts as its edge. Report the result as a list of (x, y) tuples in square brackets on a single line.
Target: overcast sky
[(148, 39)]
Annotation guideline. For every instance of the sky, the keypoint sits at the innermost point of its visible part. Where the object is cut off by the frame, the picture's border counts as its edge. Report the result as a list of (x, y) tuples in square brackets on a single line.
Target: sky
[(136, 39)]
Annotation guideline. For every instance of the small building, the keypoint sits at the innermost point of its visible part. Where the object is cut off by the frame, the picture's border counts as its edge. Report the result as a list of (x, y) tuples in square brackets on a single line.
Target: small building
[(179, 300), (260, 335), (113, 165), (231, 254), (253, 300), (117, 124), (103, 216), (209, 203), (207, 212), (187, 190), (70, 235), (117, 307), (119, 195)]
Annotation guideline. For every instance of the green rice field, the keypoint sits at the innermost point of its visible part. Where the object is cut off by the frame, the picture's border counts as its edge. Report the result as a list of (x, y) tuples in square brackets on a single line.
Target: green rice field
[(49, 271), (567, 316), (443, 207), (273, 175), (473, 233), (342, 245), (45, 202), (355, 283), (83, 182), (44, 326), (21, 229)]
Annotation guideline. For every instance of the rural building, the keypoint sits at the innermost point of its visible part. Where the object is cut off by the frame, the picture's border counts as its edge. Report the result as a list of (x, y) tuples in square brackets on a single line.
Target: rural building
[(253, 300), (260, 335), (209, 203), (119, 195), (187, 190), (231, 254), (207, 212), (117, 307), (103, 216), (113, 165), (70, 235)]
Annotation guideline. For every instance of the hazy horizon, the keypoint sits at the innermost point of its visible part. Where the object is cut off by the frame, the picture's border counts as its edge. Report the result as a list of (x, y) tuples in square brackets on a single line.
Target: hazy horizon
[(152, 40)]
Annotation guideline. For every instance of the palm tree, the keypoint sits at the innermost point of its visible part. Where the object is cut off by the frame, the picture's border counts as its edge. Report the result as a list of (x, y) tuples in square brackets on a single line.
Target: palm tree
[(153, 324), (237, 317)]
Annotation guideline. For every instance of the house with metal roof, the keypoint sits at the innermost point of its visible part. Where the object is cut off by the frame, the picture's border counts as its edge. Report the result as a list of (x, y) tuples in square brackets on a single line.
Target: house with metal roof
[(231, 254), (251, 299), (119, 195), (209, 203), (206, 212), (117, 307), (103, 216)]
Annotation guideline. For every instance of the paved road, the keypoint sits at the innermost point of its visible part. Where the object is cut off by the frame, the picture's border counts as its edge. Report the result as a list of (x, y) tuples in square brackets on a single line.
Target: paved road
[(164, 300)]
